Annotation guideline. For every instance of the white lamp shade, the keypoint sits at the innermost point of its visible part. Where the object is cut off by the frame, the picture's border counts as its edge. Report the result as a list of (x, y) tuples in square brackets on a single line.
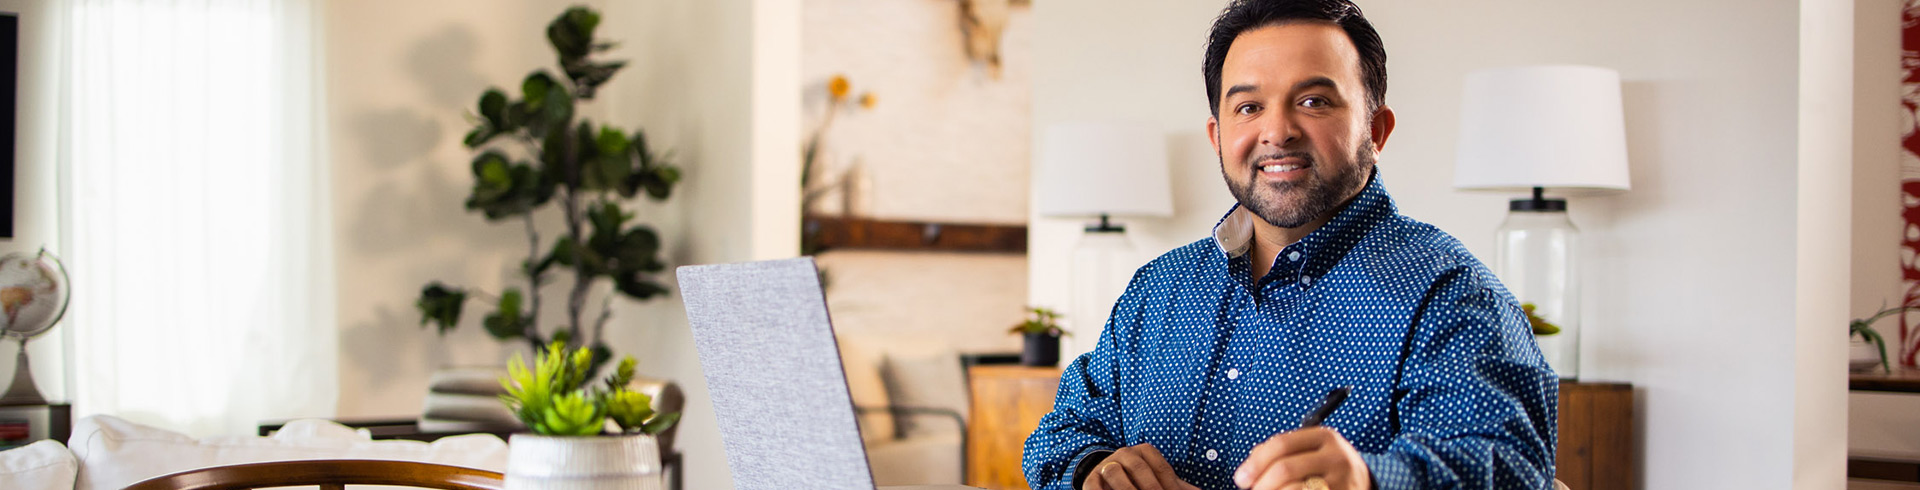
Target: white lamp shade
[(1556, 126), (1094, 168)]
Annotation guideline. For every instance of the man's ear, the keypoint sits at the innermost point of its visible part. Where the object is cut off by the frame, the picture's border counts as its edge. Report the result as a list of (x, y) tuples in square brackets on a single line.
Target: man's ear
[(1382, 127), (1213, 133)]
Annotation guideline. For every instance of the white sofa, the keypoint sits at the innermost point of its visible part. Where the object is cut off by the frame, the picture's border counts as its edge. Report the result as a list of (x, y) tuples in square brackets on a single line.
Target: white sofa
[(108, 453)]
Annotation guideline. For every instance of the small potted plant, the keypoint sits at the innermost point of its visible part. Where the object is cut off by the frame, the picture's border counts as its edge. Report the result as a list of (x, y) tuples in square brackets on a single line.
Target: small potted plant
[(1042, 332), (1868, 349), (570, 444)]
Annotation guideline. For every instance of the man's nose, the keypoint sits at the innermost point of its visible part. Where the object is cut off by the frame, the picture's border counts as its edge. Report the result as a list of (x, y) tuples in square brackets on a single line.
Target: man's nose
[(1278, 130)]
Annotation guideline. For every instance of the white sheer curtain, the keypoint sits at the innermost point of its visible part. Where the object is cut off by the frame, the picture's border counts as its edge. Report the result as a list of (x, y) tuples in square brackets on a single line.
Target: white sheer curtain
[(197, 221)]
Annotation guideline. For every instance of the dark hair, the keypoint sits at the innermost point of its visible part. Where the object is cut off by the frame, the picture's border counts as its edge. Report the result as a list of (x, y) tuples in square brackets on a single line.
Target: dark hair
[(1244, 15)]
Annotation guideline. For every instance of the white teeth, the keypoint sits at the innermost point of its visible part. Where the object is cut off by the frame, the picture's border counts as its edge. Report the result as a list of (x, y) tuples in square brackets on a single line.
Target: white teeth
[(1280, 168)]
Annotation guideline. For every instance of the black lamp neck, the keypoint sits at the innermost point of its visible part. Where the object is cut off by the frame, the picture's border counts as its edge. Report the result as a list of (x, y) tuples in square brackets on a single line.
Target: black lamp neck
[(1106, 226), (1538, 204)]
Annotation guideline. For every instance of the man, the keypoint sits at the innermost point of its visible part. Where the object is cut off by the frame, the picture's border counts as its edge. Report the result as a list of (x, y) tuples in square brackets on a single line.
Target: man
[(1314, 281)]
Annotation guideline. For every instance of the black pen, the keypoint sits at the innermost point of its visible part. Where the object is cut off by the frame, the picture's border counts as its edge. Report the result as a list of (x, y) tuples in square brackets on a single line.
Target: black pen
[(1319, 415)]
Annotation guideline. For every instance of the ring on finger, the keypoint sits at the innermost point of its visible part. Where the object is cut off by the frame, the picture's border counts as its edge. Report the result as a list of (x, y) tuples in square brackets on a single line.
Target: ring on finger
[(1316, 483)]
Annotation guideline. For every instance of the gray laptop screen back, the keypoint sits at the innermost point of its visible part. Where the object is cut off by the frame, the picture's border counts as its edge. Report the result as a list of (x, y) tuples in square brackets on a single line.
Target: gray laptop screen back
[(774, 373)]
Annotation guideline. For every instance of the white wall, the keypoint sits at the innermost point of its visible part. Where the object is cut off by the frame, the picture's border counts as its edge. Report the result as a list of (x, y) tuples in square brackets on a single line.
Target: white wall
[(711, 81), (1822, 243), (946, 141), (36, 204), (401, 79), (1691, 276), (1878, 423)]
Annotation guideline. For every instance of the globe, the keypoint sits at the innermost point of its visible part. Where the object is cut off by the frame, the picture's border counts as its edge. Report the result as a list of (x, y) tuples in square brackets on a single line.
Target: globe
[(33, 297), (33, 293)]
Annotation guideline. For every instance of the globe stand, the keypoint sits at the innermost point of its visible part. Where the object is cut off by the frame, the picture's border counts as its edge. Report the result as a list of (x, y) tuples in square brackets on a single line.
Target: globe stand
[(22, 391)]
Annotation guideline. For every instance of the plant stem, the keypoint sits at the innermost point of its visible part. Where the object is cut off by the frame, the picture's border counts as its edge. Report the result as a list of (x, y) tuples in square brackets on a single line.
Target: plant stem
[(606, 313), (532, 330), (571, 201)]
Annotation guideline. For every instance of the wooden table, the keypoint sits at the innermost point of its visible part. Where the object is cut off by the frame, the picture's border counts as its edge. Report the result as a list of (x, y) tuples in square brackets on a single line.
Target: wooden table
[(1901, 380), (1008, 401), (1596, 449)]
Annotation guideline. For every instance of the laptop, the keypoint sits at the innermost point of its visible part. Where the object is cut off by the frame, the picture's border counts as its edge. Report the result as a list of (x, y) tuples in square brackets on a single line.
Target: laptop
[(773, 370)]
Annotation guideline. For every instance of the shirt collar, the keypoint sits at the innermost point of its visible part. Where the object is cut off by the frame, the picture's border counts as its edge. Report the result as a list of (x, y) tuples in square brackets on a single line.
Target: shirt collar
[(1233, 234)]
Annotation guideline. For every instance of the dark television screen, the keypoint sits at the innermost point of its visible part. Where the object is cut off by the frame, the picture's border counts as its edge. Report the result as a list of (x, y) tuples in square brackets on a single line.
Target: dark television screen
[(9, 76)]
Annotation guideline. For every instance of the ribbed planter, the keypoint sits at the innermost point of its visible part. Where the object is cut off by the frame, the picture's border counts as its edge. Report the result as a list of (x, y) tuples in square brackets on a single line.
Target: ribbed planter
[(625, 462), (1041, 350)]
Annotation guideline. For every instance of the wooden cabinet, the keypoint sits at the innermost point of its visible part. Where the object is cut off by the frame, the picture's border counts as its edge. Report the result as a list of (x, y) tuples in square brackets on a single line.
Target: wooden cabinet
[(1596, 441), (1596, 446), (1008, 402)]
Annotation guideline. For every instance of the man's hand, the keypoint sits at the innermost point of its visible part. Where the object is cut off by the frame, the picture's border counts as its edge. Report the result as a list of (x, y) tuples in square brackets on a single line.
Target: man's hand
[(1288, 460), (1135, 468)]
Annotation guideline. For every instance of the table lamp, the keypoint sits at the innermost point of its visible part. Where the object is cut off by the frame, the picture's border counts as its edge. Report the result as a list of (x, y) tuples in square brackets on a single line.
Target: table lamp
[(1532, 129), (1103, 170)]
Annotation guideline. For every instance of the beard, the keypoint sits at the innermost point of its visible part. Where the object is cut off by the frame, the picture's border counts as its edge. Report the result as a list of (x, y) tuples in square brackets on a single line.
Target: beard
[(1291, 205)]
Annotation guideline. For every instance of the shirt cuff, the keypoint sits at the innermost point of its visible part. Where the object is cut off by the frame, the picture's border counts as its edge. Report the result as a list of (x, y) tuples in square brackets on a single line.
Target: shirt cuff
[(1084, 464), (1389, 472)]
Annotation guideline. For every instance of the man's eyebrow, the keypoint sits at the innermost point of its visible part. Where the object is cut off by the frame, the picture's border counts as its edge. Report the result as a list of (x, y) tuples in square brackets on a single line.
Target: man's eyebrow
[(1302, 85), (1315, 82), (1240, 88)]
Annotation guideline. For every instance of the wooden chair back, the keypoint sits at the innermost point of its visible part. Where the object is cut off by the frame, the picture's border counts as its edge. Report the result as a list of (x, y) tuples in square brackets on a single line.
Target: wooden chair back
[(329, 474)]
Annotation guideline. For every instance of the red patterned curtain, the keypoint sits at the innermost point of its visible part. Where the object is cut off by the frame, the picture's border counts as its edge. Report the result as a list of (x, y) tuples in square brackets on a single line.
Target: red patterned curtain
[(1910, 178)]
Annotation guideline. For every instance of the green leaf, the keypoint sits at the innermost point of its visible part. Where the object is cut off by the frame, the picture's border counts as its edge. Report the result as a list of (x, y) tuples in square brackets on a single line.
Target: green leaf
[(572, 32), (493, 107), (622, 375), (547, 103), (502, 189), (629, 409), (639, 250), (637, 287), (661, 423), (480, 135), (440, 305), (507, 322)]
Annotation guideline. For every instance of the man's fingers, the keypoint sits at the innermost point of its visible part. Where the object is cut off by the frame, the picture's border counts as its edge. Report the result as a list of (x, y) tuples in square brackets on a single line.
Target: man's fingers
[(1114, 475), (1164, 471), (1296, 468), (1279, 446), (1140, 474)]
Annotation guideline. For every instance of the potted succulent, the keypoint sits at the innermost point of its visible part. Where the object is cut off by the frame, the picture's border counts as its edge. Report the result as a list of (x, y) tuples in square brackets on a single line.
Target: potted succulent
[(1868, 349), (1042, 334), (570, 446)]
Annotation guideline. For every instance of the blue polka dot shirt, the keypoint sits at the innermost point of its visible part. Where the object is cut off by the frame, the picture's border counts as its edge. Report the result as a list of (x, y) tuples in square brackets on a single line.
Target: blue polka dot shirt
[(1449, 388)]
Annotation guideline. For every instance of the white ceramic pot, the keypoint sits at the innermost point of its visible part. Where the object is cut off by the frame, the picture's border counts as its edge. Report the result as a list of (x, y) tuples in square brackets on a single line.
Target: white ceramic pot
[(1862, 356), (625, 462)]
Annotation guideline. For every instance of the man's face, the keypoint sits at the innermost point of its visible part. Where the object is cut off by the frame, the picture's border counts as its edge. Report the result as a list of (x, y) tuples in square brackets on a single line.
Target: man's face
[(1294, 136)]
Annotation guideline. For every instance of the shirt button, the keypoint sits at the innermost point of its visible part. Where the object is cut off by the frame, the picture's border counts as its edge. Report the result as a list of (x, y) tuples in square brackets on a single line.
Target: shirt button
[(1233, 373), (1294, 255), (1212, 455), (1306, 280)]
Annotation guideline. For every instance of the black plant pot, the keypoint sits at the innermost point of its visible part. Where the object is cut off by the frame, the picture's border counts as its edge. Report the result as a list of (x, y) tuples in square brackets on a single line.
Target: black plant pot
[(1043, 349)]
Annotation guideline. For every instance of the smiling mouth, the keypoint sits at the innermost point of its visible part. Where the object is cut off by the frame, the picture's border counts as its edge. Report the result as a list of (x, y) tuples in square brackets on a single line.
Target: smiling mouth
[(1283, 163)]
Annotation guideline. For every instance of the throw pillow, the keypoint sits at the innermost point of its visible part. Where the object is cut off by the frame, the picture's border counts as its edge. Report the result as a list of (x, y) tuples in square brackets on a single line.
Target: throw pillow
[(44, 465), (861, 361)]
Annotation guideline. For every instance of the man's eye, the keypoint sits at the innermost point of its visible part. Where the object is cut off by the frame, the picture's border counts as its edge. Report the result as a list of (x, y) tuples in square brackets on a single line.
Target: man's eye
[(1314, 102), (1245, 109)]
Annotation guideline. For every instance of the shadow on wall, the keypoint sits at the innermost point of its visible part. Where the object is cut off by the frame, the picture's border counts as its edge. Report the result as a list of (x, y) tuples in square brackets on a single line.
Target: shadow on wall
[(405, 224)]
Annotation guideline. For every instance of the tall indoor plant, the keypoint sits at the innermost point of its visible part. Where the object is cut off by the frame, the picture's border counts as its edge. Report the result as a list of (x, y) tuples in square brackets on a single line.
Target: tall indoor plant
[(533, 155)]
